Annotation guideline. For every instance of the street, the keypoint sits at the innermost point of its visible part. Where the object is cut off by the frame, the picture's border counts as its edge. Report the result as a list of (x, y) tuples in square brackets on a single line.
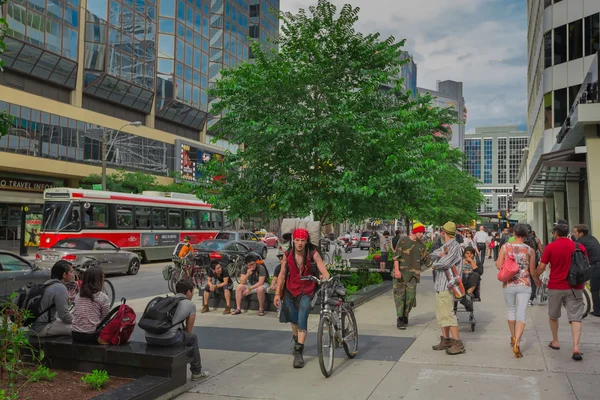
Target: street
[(150, 282)]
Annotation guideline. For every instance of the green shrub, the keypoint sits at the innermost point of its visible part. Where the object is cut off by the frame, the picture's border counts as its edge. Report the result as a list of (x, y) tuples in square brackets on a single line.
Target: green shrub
[(374, 278), (97, 379), (41, 374)]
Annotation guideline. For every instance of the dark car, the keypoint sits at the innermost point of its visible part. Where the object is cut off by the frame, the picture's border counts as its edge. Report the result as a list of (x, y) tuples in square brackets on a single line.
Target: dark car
[(226, 251), (249, 239), (16, 272)]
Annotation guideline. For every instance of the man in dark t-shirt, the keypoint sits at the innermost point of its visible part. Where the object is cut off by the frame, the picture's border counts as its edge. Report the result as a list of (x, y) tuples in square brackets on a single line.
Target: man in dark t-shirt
[(396, 239), (581, 234), (254, 278), (219, 282), (558, 254)]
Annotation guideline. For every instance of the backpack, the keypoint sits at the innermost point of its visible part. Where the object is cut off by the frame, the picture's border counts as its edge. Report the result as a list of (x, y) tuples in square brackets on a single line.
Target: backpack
[(580, 271), (531, 242), (29, 298), (117, 327), (158, 315)]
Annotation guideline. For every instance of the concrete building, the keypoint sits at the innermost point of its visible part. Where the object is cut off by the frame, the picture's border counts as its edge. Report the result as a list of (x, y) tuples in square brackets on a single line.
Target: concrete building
[(493, 156), (450, 94), (79, 71), (563, 116)]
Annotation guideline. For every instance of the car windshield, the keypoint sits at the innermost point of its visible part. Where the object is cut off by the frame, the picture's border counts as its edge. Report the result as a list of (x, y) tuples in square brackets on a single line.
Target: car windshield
[(225, 235), (211, 245), (72, 244), (61, 216)]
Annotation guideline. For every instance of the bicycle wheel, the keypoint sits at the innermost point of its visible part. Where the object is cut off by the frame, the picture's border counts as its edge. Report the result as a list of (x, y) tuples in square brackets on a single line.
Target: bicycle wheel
[(349, 332), (109, 289), (236, 271), (326, 258), (72, 291), (325, 345), (199, 278), (587, 302), (175, 277)]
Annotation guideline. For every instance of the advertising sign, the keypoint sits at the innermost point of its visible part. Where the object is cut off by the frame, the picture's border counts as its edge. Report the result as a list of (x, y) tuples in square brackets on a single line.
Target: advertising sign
[(33, 227), (190, 157), (26, 185), (159, 239)]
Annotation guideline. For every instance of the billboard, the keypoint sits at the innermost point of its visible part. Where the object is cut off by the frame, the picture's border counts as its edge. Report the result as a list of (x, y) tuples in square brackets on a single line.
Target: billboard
[(189, 157)]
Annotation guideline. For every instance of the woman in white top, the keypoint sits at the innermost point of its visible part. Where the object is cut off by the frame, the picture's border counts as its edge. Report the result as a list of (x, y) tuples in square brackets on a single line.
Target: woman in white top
[(91, 306)]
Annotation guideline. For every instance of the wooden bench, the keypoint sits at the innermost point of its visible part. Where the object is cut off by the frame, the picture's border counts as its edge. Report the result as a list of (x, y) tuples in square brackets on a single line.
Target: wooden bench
[(156, 370)]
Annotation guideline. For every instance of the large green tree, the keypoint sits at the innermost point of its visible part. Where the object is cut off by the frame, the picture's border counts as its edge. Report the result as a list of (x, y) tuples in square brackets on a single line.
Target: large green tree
[(135, 182), (5, 118), (320, 134)]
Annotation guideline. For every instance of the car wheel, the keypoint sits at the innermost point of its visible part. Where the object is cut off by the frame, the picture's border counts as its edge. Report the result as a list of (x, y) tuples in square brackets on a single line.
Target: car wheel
[(134, 267), (264, 253)]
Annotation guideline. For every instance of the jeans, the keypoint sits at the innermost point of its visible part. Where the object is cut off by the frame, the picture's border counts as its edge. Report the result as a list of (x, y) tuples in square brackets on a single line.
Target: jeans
[(296, 314), (595, 287), (56, 328), (533, 288), (185, 338), (517, 298)]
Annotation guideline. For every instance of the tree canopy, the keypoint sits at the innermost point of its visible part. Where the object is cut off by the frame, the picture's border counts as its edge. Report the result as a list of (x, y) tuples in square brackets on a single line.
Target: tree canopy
[(327, 127), (136, 183)]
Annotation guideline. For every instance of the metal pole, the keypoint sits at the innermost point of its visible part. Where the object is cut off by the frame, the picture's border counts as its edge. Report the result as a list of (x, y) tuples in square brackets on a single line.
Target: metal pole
[(104, 157)]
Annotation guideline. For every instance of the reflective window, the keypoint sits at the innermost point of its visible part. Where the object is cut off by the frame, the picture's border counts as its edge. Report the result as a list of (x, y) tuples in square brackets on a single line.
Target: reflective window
[(95, 216), (159, 218), (142, 217), (191, 221), (573, 91), (487, 160), (515, 156), (560, 45), (548, 49), (547, 3), (560, 107), (167, 8), (592, 34), (502, 153), (576, 40), (548, 111), (174, 219), (124, 217), (473, 157)]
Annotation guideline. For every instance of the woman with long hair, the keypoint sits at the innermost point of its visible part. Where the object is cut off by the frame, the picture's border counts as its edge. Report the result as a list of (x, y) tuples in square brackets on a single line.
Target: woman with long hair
[(517, 289), (91, 306)]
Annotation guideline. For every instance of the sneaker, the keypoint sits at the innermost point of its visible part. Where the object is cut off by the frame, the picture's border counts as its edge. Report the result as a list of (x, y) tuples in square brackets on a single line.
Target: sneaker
[(204, 309), (456, 348), (401, 324), (530, 303), (227, 311), (199, 376)]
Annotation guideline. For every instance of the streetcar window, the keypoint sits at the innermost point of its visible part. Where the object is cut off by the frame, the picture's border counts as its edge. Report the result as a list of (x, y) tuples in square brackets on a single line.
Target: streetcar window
[(190, 219), (217, 220), (159, 218), (142, 217), (95, 216), (124, 217), (174, 219), (204, 219)]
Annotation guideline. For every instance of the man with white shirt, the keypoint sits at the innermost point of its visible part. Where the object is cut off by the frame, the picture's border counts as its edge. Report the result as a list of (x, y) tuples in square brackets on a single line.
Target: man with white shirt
[(481, 238)]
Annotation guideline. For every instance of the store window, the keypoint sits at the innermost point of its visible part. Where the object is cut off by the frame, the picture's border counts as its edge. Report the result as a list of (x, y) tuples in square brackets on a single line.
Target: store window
[(560, 45)]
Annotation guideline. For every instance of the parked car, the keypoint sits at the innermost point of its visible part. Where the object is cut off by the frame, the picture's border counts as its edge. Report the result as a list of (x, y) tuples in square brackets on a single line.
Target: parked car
[(16, 272), (112, 259), (226, 251), (365, 240), (268, 238), (354, 241), (249, 239)]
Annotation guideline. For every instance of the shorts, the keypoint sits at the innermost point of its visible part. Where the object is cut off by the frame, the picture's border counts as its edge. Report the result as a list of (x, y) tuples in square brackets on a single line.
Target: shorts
[(220, 290), (571, 299), (297, 315), (444, 309), (265, 286), (384, 257)]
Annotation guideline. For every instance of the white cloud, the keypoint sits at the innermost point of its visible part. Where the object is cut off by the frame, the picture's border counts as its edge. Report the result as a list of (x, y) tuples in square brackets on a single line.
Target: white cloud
[(479, 42)]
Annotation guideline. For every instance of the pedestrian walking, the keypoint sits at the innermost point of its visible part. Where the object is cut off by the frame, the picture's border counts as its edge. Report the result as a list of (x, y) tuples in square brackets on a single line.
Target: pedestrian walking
[(481, 238), (559, 254), (581, 233), (386, 247), (518, 289), (410, 257), (447, 262)]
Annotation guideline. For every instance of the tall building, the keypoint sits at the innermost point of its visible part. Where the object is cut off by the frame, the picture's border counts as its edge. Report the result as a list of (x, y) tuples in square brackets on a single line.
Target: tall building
[(493, 156), (563, 114), (408, 72), (77, 72), (449, 94)]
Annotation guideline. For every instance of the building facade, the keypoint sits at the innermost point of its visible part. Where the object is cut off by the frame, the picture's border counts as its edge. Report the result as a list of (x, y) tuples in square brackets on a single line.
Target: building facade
[(563, 115), (493, 156), (78, 72), (449, 94)]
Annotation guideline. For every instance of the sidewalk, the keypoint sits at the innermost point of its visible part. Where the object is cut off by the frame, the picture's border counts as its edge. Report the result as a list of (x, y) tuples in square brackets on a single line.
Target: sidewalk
[(249, 357)]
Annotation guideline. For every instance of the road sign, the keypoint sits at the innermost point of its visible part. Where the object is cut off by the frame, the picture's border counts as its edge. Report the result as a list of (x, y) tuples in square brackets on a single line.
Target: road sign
[(97, 186)]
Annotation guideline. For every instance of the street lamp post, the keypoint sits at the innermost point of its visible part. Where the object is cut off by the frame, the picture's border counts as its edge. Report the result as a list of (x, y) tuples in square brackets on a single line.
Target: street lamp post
[(105, 151)]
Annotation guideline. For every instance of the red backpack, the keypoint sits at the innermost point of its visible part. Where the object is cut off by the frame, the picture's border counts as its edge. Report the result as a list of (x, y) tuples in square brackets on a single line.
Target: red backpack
[(117, 326)]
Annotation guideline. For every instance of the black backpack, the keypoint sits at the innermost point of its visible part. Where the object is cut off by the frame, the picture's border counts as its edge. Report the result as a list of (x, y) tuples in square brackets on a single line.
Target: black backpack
[(580, 271), (531, 242), (29, 298), (158, 315)]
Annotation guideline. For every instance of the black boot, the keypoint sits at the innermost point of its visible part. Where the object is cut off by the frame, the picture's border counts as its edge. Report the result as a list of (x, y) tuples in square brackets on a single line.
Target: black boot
[(466, 301), (401, 324), (295, 338), (406, 319), (298, 359)]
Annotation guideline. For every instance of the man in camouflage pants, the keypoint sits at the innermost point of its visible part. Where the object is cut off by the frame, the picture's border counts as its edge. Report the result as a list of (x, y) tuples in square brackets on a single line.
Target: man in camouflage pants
[(410, 257)]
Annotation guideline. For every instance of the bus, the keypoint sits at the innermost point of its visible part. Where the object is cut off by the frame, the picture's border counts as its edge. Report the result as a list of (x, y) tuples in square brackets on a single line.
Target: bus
[(150, 224)]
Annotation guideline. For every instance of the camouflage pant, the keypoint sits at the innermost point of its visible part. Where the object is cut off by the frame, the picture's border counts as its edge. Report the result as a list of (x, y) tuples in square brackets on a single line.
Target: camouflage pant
[(405, 296)]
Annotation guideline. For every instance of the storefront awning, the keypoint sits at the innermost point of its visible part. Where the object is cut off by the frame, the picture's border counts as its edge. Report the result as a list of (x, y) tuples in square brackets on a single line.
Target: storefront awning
[(552, 172)]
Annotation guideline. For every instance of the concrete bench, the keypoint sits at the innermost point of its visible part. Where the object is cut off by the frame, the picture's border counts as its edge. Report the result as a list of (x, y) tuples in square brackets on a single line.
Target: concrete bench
[(248, 303), (165, 366)]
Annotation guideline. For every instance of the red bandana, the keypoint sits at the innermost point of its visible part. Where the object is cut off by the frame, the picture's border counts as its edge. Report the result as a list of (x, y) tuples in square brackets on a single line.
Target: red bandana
[(300, 234)]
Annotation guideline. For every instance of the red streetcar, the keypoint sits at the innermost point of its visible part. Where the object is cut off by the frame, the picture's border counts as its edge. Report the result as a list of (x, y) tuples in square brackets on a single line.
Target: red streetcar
[(150, 224)]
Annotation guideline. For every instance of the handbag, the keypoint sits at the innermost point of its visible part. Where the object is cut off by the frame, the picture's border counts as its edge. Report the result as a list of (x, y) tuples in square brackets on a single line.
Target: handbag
[(510, 268)]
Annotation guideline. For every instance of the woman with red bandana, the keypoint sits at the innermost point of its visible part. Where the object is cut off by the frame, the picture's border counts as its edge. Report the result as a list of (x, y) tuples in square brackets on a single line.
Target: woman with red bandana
[(298, 261)]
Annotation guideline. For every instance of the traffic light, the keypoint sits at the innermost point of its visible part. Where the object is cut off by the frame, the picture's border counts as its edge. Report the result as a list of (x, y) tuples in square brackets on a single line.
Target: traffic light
[(499, 215)]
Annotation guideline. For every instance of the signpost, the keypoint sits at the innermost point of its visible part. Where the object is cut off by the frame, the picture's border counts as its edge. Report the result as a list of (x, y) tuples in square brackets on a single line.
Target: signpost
[(31, 227)]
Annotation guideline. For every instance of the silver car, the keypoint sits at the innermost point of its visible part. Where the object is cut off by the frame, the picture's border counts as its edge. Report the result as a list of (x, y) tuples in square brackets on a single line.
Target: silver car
[(16, 272), (112, 259)]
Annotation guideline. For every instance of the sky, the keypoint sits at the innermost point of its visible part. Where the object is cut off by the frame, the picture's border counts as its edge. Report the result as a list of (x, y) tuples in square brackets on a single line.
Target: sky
[(482, 43)]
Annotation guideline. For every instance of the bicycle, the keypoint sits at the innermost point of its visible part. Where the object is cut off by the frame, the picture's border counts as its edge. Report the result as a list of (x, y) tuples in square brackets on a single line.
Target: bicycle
[(234, 268), (198, 275), (542, 293), (74, 287), (337, 323)]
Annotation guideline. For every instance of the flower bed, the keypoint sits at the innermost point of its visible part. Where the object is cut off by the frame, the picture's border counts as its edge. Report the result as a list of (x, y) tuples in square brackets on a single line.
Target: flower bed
[(357, 279)]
